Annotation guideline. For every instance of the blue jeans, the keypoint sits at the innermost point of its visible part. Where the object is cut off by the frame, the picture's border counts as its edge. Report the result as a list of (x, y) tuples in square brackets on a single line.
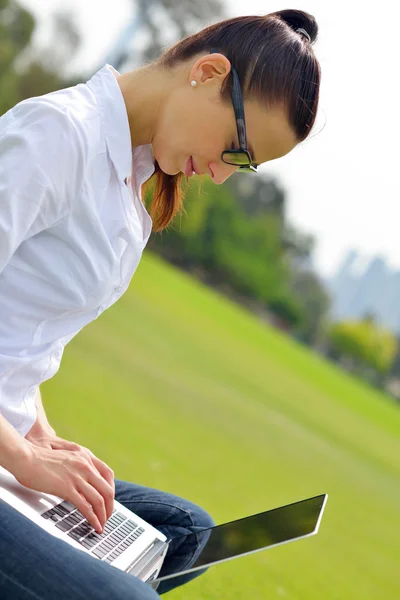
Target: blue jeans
[(35, 565)]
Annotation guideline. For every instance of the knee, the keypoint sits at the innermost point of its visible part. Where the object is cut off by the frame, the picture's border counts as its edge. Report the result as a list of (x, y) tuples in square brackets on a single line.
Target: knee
[(200, 517)]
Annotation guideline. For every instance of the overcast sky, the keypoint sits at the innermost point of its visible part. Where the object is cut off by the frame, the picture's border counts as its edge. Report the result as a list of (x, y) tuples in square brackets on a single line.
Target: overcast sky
[(343, 183)]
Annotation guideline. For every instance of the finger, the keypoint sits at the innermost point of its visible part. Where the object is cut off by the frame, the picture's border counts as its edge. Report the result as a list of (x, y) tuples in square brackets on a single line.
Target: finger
[(102, 467), (108, 476), (61, 444), (95, 498), (85, 508), (104, 482), (104, 488)]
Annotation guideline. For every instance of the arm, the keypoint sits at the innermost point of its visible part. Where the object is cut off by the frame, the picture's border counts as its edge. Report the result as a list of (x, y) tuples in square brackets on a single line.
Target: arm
[(39, 174), (42, 425), (13, 447)]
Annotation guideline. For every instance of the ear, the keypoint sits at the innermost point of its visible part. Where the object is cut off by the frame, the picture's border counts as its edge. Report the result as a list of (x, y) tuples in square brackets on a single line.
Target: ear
[(211, 68)]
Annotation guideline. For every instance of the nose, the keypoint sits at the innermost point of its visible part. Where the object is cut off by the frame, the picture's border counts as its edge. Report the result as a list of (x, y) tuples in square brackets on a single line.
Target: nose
[(221, 171)]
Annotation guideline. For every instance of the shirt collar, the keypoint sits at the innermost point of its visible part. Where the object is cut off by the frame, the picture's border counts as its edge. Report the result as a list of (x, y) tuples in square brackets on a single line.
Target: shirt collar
[(115, 119)]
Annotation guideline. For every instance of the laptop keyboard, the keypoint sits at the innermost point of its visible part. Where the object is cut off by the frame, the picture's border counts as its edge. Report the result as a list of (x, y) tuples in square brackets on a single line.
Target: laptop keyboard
[(119, 531)]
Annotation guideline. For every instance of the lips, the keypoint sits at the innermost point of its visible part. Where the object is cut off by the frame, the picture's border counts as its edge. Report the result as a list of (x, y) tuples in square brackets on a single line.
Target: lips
[(189, 167)]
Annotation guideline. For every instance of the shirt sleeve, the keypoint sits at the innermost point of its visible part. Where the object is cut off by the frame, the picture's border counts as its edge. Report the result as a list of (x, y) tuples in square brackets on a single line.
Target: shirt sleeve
[(41, 167)]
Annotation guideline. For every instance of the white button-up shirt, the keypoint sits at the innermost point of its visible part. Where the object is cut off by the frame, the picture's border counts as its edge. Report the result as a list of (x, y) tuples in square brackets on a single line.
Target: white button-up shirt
[(71, 231)]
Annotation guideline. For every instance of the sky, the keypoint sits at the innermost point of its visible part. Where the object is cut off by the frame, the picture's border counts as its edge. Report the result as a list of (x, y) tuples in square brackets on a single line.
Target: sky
[(342, 183)]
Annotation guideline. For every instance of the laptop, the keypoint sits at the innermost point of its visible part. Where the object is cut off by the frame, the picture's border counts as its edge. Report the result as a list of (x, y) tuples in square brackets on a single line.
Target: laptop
[(127, 542), (134, 546), (251, 534)]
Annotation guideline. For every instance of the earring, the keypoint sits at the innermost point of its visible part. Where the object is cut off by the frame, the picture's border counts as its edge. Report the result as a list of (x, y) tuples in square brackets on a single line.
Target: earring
[(193, 83)]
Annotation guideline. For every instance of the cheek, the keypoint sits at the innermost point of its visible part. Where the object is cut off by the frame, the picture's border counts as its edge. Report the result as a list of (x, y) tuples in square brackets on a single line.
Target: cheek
[(192, 126), (207, 138)]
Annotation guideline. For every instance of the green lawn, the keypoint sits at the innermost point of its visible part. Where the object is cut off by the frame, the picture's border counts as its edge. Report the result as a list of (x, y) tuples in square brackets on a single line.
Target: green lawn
[(177, 388)]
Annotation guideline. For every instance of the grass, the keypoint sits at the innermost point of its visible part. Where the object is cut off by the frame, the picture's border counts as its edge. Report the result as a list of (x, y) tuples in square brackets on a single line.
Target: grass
[(177, 388)]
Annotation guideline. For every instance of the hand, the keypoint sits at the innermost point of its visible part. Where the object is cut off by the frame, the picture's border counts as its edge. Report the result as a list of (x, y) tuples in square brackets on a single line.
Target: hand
[(40, 434), (72, 472)]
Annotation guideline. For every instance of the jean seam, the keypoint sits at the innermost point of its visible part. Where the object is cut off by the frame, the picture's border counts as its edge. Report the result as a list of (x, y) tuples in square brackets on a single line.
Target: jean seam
[(18, 584), (170, 506)]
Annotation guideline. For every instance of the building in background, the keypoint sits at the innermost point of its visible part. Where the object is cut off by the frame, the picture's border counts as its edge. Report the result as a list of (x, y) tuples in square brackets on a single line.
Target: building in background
[(361, 288)]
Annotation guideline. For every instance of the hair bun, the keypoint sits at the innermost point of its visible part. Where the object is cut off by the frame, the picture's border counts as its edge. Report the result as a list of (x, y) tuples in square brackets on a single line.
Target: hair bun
[(299, 19)]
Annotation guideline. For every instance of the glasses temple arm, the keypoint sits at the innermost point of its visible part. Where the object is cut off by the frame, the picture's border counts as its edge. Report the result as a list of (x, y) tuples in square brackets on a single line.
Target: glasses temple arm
[(239, 109), (237, 101)]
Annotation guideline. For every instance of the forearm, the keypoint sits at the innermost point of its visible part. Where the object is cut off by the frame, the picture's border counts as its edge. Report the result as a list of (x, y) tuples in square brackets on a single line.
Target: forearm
[(13, 447), (42, 422)]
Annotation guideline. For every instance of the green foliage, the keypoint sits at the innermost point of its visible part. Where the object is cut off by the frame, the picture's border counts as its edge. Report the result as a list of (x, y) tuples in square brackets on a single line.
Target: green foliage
[(26, 71), (365, 342), (16, 28), (315, 302), (287, 309), (236, 236)]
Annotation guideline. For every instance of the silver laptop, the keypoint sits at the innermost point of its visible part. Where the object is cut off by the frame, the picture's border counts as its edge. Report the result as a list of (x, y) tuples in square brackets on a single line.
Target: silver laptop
[(127, 542), (134, 546)]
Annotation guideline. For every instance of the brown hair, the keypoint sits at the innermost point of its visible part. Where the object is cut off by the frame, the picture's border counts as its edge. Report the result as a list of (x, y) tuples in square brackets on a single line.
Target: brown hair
[(275, 64)]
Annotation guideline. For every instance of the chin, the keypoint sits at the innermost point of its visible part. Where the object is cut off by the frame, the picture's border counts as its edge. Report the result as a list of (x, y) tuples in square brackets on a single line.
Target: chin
[(167, 168)]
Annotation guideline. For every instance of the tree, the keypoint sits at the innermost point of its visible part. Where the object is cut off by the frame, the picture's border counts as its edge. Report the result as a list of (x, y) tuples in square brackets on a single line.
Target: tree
[(314, 299), (27, 71), (158, 18), (366, 344), (16, 28)]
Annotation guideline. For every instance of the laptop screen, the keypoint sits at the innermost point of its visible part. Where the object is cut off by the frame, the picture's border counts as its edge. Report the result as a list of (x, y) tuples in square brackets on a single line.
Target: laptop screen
[(256, 532)]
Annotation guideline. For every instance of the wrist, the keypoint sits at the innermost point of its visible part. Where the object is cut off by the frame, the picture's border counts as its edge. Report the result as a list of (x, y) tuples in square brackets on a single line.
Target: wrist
[(40, 429), (19, 455)]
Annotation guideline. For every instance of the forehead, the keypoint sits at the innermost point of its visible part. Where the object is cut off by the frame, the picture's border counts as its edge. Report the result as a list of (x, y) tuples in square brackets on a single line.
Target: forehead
[(269, 132)]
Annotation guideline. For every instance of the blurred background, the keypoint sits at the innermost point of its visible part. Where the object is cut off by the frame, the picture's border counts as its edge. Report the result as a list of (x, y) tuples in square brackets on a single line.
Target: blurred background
[(255, 359)]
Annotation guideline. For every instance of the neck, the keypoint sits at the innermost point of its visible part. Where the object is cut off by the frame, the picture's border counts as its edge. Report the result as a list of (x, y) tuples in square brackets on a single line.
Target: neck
[(143, 91)]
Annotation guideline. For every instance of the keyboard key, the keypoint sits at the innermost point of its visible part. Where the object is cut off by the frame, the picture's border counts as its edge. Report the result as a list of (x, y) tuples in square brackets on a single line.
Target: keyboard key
[(74, 534), (73, 518), (124, 529), (119, 535), (83, 529), (76, 516), (113, 556), (88, 543), (132, 523), (114, 539), (63, 525), (94, 536), (67, 505), (54, 517), (59, 509), (129, 541), (107, 544), (105, 547), (70, 521), (99, 553)]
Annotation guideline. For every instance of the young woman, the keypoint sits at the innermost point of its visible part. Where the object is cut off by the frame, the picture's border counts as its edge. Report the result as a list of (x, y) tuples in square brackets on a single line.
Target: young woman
[(72, 230)]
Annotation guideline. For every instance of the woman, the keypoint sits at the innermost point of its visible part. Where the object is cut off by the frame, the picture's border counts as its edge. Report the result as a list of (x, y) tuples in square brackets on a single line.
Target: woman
[(72, 230)]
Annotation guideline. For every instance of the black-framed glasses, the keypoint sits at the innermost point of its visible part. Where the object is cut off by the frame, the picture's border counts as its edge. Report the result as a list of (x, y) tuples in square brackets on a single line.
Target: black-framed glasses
[(239, 157)]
